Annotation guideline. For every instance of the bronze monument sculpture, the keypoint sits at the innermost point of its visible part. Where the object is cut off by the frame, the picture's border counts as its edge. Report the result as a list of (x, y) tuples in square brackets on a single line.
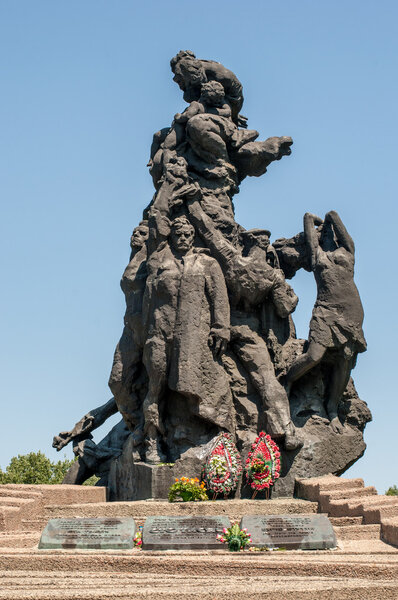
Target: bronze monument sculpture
[(209, 343)]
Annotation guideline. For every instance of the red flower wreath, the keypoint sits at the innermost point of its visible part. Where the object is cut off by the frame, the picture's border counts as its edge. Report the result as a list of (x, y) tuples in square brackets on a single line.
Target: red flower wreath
[(223, 466), (263, 463)]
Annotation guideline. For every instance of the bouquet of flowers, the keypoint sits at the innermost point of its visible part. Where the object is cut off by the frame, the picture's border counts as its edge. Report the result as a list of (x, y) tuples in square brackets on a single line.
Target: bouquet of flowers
[(263, 464), (235, 537), (187, 490), (223, 466), (138, 539)]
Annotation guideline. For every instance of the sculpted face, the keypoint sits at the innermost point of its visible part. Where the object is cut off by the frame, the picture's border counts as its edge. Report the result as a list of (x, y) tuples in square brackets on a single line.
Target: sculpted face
[(181, 237), (139, 237), (262, 240)]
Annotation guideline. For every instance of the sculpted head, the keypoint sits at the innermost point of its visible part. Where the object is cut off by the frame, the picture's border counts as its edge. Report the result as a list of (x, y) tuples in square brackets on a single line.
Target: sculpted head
[(181, 54), (258, 237), (188, 70), (327, 238), (212, 93), (182, 235), (139, 236)]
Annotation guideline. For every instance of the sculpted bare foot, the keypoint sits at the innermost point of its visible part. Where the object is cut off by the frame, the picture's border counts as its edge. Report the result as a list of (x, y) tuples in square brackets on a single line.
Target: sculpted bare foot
[(336, 425)]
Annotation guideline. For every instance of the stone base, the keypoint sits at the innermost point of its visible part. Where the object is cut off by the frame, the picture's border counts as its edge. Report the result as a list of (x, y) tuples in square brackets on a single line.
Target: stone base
[(323, 452), (138, 481)]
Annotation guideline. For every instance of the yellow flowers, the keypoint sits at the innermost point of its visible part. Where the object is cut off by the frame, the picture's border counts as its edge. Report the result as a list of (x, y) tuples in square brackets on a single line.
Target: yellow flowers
[(187, 489)]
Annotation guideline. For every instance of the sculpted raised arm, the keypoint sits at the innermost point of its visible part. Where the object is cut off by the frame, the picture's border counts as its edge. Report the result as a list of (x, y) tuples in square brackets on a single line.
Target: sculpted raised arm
[(311, 236), (342, 235)]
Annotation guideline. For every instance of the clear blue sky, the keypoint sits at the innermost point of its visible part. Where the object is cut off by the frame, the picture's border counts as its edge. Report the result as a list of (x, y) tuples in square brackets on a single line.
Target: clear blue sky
[(85, 83)]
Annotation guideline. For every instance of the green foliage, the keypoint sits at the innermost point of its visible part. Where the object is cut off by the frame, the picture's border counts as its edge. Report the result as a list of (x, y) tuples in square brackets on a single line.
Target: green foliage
[(34, 468), (187, 490), (392, 491), (91, 480)]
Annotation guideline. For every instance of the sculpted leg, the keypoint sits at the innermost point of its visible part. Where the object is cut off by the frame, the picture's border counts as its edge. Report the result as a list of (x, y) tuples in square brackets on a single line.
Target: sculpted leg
[(126, 362), (338, 383), (304, 363), (253, 353), (155, 361)]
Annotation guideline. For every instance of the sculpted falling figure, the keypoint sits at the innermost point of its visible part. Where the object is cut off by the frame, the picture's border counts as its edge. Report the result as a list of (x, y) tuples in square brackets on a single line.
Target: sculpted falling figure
[(337, 317)]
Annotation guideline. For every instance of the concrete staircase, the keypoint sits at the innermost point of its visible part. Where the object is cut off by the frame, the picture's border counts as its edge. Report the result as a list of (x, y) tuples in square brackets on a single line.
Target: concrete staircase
[(23, 507), (356, 512)]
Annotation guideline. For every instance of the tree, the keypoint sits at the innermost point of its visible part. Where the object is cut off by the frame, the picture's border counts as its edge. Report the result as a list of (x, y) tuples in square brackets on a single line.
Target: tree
[(392, 491), (34, 468)]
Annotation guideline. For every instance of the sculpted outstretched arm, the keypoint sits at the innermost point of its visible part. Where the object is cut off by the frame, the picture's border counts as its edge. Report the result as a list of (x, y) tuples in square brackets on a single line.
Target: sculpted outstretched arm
[(83, 428), (343, 237)]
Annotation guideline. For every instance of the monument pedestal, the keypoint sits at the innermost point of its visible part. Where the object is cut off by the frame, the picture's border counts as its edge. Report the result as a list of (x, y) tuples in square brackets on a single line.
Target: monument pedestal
[(129, 480)]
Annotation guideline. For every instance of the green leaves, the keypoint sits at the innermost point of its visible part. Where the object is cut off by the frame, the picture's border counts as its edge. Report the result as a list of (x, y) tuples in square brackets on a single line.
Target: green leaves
[(34, 468)]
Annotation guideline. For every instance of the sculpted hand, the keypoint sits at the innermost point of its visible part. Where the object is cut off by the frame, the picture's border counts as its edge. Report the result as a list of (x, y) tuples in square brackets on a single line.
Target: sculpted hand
[(217, 342), (317, 220), (62, 440)]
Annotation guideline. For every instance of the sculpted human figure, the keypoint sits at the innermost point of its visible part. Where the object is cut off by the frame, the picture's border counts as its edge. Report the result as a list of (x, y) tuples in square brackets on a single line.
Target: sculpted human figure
[(128, 354), (252, 281), (338, 314), (191, 73), (186, 312), (259, 244)]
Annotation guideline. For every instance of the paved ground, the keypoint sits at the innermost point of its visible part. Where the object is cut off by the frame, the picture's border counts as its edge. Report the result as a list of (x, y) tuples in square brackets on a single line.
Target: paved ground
[(362, 567)]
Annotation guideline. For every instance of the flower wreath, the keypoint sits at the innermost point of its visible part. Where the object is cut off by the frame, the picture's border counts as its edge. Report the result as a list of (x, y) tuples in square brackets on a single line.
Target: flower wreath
[(223, 466), (263, 463)]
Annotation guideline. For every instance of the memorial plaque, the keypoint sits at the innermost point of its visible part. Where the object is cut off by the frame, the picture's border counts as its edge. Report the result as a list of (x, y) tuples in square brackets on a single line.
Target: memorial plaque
[(183, 533), (293, 532), (98, 534)]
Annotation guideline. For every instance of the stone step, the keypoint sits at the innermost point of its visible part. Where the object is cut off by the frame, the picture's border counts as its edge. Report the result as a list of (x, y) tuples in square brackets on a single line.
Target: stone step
[(357, 532), (10, 518), (17, 493), (310, 488), (32, 525), (389, 530), (22, 539), (13, 501), (340, 521), (139, 509), (355, 507), (61, 493), (326, 497), (375, 514)]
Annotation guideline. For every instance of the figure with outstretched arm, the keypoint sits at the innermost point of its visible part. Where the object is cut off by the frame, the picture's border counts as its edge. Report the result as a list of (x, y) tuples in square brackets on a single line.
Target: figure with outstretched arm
[(337, 316), (251, 281), (93, 458)]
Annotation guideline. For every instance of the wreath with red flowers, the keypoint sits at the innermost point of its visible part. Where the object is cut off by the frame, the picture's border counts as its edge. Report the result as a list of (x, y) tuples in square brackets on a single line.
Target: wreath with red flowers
[(223, 466), (263, 463)]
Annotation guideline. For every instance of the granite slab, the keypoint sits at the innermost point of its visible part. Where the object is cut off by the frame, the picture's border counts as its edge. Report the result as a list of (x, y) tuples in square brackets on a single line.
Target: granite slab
[(183, 533), (115, 533), (293, 532)]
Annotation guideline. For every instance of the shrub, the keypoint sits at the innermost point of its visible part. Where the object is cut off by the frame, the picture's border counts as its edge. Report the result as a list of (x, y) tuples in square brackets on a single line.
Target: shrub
[(392, 491)]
